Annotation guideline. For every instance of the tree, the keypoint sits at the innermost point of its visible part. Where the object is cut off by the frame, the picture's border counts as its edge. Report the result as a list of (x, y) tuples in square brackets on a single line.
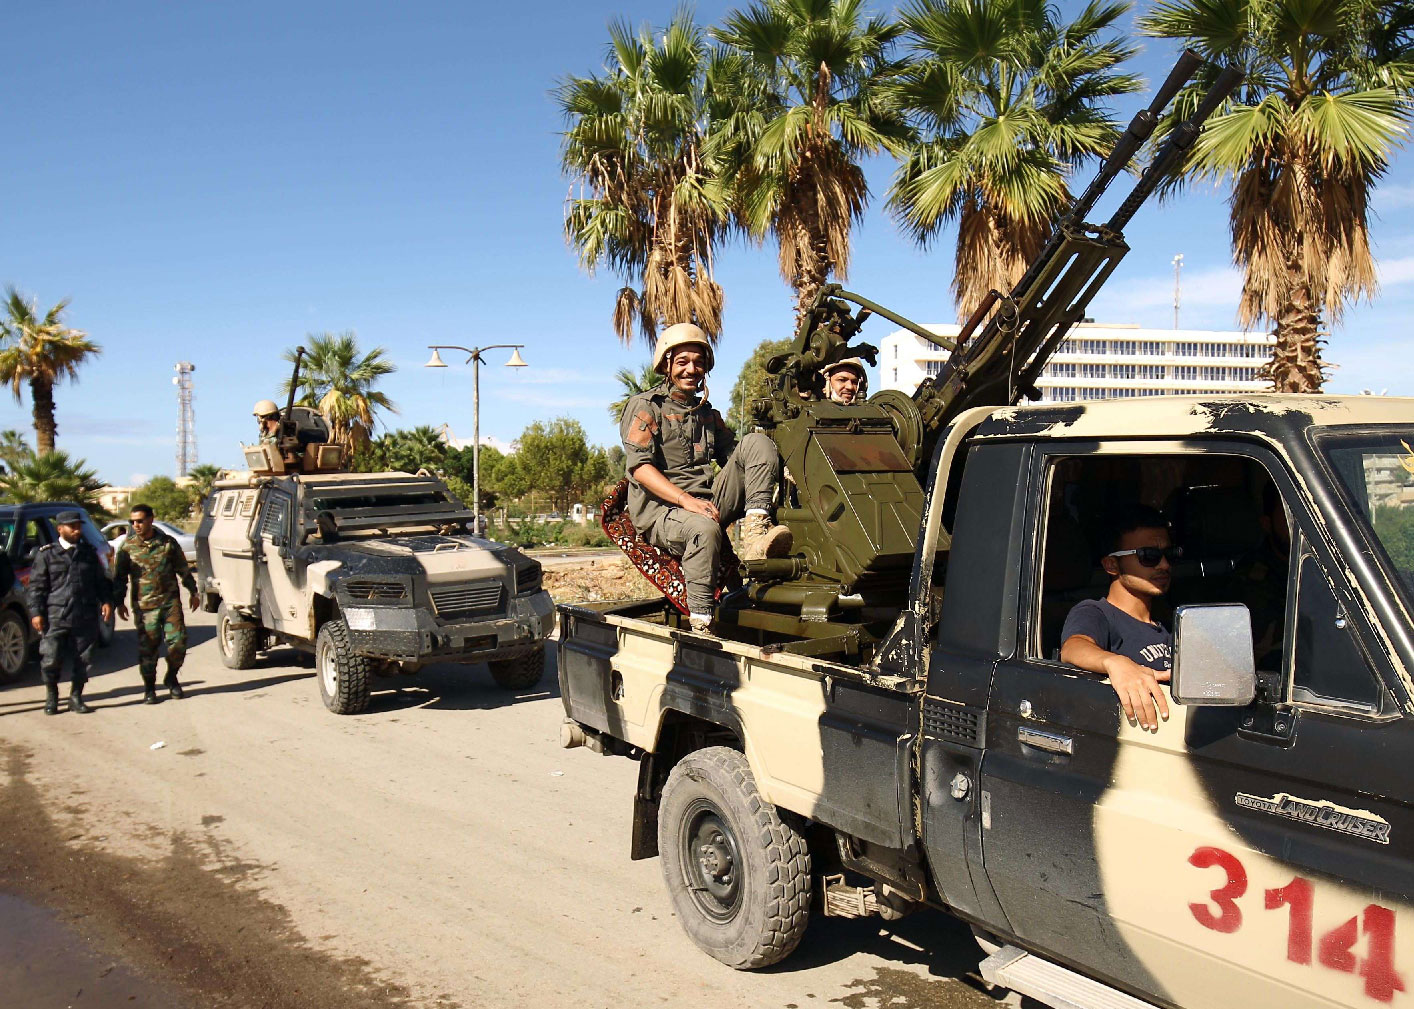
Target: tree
[(753, 383), (203, 478), (40, 351), (804, 100), (650, 205), (632, 383), (168, 501), (555, 459), (14, 449), (52, 477), (1006, 99), (339, 381), (1312, 127)]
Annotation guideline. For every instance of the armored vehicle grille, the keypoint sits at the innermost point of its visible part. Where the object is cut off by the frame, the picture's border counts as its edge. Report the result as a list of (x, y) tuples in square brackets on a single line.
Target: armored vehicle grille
[(467, 597), (950, 721), (528, 579), (375, 591)]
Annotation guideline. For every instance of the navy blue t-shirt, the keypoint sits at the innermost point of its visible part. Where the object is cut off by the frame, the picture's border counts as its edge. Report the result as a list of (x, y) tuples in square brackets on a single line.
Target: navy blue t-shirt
[(1107, 625)]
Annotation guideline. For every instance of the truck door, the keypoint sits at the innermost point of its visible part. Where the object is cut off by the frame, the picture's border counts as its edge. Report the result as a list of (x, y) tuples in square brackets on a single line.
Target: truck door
[(283, 606), (1235, 857)]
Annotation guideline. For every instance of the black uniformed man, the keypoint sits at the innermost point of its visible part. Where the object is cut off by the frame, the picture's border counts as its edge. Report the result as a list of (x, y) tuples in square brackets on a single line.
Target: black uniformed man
[(69, 594)]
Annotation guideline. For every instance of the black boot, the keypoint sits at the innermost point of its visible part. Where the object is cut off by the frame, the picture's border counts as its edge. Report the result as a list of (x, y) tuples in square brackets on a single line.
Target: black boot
[(173, 687), (76, 703), (51, 698), (149, 688)]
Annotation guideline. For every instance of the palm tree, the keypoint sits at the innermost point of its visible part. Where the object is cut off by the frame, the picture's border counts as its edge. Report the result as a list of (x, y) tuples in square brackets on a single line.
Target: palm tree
[(649, 205), (804, 83), (41, 351), (51, 477), (203, 478), (631, 383), (14, 449), (1324, 104), (339, 382), (1007, 99)]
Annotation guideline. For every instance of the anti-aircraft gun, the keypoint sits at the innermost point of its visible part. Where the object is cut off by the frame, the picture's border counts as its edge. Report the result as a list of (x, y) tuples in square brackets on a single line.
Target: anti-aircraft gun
[(854, 498)]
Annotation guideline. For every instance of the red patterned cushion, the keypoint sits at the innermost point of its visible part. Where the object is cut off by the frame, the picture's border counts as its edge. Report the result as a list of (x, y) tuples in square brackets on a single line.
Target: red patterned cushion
[(658, 566)]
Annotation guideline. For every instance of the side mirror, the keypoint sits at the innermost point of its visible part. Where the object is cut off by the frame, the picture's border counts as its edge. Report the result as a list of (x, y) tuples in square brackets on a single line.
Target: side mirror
[(1212, 656)]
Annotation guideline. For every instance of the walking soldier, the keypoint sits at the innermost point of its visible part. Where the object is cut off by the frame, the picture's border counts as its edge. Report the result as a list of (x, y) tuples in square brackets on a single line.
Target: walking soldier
[(68, 595), (155, 563)]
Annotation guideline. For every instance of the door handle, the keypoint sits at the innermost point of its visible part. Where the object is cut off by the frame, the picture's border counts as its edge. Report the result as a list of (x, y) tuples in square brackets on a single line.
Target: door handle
[(1052, 742)]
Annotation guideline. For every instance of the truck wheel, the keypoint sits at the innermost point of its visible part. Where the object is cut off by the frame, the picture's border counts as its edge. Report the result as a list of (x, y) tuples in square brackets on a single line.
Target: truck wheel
[(238, 644), (343, 675), (518, 673), (14, 646), (739, 875)]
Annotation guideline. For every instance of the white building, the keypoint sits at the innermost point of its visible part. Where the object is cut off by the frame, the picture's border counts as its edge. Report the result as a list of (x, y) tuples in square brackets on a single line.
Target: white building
[(1108, 361)]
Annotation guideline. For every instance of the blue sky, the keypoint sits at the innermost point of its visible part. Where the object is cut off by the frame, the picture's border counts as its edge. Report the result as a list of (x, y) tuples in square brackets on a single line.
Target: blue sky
[(211, 182)]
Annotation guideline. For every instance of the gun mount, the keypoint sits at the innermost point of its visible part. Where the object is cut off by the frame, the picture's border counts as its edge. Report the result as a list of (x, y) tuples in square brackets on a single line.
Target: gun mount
[(853, 494), (303, 441)]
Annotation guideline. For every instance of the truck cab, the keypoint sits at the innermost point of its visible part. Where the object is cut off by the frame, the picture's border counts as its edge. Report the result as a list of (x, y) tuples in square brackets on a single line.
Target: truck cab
[(1253, 850)]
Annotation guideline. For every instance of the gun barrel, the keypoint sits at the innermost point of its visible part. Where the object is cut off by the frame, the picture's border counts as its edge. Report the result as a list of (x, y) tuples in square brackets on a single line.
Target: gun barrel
[(294, 386), (1174, 147)]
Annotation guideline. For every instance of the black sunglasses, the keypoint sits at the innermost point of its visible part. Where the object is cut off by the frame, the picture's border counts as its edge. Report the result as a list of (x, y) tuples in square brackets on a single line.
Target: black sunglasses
[(1150, 556)]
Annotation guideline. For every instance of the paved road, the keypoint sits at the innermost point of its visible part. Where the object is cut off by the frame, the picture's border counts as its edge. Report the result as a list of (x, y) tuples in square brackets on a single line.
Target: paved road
[(439, 850)]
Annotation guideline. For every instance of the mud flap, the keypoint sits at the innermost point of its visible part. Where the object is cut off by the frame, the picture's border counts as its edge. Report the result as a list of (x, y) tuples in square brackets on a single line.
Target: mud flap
[(644, 840)]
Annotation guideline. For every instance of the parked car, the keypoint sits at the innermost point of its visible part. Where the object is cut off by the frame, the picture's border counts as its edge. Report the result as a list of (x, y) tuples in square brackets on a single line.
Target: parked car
[(17, 640), (116, 532), (24, 528)]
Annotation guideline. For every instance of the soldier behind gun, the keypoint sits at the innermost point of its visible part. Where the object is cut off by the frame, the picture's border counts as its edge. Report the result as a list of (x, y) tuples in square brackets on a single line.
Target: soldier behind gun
[(155, 563), (68, 595), (267, 415), (845, 381)]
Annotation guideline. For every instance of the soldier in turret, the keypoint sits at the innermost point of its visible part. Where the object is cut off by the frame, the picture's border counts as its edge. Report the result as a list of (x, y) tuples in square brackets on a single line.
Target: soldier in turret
[(155, 563), (671, 436), (267, 414), (845, 381)]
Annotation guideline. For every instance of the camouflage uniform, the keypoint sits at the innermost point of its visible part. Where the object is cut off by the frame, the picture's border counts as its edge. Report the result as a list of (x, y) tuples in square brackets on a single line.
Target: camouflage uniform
[(155, 565), (683, 441)]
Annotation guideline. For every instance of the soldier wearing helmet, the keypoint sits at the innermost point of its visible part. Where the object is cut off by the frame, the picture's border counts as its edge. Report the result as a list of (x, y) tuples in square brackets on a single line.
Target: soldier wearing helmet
[(267, 414), (671, 437), (845, 381)]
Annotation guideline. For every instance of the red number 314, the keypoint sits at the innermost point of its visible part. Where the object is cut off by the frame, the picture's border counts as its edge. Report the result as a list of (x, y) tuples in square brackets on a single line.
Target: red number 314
[(1335, 949)]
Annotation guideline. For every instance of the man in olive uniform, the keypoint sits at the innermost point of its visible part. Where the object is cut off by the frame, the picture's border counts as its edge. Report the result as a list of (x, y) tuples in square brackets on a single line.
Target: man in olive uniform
[(845, 381), (671, 437), (69, 594), (267, 414), (155, 563)]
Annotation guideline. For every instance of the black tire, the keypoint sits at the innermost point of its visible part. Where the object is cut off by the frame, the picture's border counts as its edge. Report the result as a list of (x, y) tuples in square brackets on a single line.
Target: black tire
[(519, 673), (738, 875), (238, 645), (343, 675), (14, 645)]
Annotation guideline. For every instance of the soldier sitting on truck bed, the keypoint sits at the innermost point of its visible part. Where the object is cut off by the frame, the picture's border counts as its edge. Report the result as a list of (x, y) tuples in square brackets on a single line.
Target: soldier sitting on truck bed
[(1118, 636), (671, 436)]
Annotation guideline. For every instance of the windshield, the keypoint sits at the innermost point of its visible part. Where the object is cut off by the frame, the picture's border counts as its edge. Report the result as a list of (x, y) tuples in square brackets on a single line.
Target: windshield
[(1377, 474), (384, 501)]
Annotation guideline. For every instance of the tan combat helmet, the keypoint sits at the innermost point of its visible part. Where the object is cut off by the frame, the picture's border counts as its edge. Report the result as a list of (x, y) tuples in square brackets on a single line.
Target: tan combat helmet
[(856, 365), (265, 408), (680, 334)]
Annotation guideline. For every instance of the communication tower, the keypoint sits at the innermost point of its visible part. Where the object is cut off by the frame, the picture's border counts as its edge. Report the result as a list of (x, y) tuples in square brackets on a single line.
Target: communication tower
[(186, 418)]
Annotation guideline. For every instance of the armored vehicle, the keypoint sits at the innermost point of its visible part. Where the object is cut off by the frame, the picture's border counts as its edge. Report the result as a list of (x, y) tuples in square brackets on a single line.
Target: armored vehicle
[(373, 573)]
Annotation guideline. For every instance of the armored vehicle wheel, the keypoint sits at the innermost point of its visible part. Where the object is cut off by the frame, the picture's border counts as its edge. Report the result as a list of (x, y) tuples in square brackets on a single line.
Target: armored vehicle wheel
[(739, 875), (238, 644), (14, 646), (519, 673), (343, 675)]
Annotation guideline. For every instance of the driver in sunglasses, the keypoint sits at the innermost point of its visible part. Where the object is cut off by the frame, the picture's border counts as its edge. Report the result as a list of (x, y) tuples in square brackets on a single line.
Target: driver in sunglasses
[(1117, 636)]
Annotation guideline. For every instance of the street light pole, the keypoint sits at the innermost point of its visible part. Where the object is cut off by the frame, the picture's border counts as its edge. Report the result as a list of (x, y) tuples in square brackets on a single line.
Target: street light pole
[(474, 359)]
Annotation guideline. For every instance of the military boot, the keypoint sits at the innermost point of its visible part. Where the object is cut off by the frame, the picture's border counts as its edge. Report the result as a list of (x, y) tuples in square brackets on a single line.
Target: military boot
[(51, 698), (76, 704), (173, 687), (149, 688), (760, 539), (700, 624)]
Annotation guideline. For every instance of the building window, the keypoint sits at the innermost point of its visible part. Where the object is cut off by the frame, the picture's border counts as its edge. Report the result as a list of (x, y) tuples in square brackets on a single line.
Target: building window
[(1214, 373), (1151, 348), (1061, 370), (1187, 349), (1126, 347), (1122, 371), (933, 367), (1184, 373)]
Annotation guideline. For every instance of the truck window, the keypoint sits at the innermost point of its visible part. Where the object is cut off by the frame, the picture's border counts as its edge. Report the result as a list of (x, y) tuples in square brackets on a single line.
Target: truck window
[(276, 519), (1224, 511), (1329, 665)]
